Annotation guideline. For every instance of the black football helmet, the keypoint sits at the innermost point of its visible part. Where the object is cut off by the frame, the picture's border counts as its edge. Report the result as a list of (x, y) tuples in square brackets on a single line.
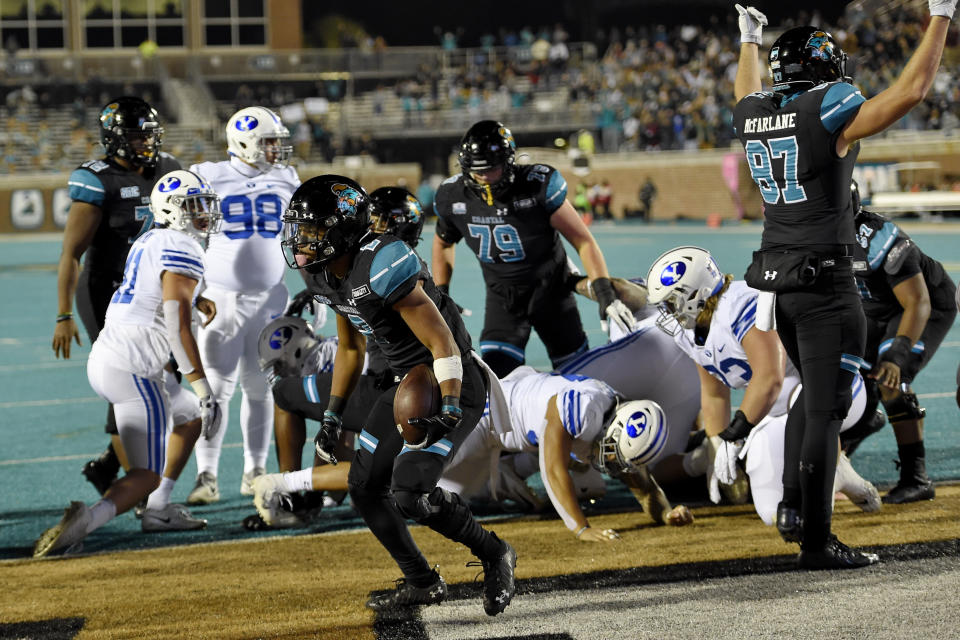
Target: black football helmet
[(130, 129), (488, 144), (398, 212), (327, 217), (804, 57)]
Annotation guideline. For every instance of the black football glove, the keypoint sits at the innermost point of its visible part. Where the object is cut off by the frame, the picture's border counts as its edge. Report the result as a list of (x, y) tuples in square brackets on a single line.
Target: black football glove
[(439, 425), (739, 428), (328, 436), (300, 302)]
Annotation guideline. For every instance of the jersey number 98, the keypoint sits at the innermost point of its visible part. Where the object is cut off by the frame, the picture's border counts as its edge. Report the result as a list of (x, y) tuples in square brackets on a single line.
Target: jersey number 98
[(240, 209)]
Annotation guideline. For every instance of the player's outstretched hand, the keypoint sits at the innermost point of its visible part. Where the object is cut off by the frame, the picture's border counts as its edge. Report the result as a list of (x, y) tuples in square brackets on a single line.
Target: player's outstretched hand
[(208, 308), (945, 8), (752, 23), (679, 516), (592, 534), (64, 332)]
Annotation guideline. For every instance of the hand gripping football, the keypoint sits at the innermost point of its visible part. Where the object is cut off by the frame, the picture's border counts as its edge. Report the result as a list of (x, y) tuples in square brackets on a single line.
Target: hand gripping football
[(418, 396)]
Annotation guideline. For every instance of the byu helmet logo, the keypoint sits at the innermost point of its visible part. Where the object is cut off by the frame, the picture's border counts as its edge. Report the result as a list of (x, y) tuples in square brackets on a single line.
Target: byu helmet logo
[(672, 273), (169, 184), (247, 123), (280, 337), (636, 424)]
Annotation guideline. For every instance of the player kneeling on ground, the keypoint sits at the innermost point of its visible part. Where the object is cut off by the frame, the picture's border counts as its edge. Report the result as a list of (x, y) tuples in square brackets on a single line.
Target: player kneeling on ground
[(148, 318)]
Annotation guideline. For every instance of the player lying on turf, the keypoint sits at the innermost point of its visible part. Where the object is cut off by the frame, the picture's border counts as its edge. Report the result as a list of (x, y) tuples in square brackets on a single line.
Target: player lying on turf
[(149, 317)]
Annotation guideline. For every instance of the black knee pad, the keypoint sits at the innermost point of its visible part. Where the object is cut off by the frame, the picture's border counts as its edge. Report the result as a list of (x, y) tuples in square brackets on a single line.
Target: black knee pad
[(905, 406), (414, 505)]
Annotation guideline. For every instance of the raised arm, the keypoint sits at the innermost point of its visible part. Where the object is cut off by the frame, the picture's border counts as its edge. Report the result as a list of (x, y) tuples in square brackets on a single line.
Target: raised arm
[(751, 23), (910, 87)]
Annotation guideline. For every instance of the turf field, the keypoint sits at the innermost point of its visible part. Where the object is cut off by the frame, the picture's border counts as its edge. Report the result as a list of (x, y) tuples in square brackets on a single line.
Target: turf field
[(51, 422)]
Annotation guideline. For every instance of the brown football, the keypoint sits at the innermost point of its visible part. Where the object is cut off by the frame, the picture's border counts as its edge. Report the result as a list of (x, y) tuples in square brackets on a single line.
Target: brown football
[(418, 396)]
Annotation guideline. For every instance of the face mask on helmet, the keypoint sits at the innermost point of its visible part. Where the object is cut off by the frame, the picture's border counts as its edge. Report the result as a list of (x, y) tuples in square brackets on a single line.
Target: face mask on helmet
[(487, 159), (130, 129), (284, 347), (635, 437), (804, 57), (257, 136), (182, 201), (398, 212), (327, 217), (679, 283)]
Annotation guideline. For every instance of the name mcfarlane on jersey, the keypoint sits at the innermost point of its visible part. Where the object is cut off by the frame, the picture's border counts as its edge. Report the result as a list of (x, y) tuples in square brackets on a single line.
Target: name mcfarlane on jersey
[(770, 123)]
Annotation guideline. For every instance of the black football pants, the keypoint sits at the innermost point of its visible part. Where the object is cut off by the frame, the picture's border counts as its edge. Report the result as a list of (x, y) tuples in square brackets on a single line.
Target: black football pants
[(823, 330)]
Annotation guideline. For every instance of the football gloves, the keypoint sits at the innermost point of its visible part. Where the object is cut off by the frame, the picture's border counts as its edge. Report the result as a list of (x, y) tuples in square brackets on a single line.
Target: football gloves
[(612, 309), (210, 417), (328, 436), (301, 302), (752, 23), (440, 424), (738, 429), (944, 8), (725, 463)]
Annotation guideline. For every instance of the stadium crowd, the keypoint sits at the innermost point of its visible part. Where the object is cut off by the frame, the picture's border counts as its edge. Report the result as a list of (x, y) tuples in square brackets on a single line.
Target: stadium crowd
[(642, 88)]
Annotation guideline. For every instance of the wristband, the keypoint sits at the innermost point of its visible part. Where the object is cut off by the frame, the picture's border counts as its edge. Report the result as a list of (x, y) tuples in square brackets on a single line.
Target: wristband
[(451, 405), (898, 351), (201, 387), (449, 368), (64, 316), (335, 405), (581, 530)]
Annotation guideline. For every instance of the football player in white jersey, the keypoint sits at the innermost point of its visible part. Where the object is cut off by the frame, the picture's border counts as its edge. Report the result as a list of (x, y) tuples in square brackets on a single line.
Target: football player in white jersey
[(244, 277), (149, 317), (713, 319)]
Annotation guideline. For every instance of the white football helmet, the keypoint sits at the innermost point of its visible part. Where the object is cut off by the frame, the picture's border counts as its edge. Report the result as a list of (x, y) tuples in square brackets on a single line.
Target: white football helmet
[(258, 137), (635, 436), (679, 283), (183, 201), (284, 347)]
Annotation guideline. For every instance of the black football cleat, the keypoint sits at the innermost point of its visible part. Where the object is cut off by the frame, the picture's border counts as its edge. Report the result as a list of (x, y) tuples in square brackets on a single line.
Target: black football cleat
[(913, 492), (498, 584), (407, 595), (836, 555), (789, 523)]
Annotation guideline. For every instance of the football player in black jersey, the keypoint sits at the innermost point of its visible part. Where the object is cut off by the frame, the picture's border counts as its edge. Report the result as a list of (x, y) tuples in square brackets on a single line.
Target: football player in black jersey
[(908, 300), (800, 140), (512, 216), (382, 291), (110, 209)]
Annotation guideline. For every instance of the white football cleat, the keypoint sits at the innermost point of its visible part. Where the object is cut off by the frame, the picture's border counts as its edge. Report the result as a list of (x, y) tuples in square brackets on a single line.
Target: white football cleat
[(859, 490), (273, 503), (246, 483), (173, 517), (205, 491), (67, 533)]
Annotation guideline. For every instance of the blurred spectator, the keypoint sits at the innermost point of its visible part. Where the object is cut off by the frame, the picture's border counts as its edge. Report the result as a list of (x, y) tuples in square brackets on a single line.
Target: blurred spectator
[(302, 139), (648, 191), (601, 200)]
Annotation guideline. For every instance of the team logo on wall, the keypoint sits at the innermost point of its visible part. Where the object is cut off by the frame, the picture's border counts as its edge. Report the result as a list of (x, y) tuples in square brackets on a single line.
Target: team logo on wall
[(61, 207), (26, 209)]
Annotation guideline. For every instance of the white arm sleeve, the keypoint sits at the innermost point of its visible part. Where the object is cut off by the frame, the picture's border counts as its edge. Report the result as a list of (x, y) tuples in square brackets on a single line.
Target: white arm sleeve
[(568, 519), (171, 319)]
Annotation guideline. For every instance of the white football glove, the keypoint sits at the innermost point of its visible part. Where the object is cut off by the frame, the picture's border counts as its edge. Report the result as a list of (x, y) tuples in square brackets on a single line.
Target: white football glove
[(944, 8), (752, 23), (210, 417), (618, 313), (725, 464)]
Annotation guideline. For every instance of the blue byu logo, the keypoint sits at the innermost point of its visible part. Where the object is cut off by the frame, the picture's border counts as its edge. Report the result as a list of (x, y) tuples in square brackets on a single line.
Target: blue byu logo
[(169, 184), (672, 273), (636, 424), (246, 123), (280, 337)]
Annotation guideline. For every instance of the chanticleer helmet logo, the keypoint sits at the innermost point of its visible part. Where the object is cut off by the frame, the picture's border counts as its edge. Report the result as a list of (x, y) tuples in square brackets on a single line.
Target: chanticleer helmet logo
[(347, 198)]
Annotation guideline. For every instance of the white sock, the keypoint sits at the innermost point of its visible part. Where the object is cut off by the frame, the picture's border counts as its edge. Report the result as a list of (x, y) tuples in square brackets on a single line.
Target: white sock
[(160, 497), (101, 513), (293, 481)]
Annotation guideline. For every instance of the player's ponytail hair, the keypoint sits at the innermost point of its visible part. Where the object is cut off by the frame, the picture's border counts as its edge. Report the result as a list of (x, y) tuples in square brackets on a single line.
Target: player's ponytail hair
[(706, 314)]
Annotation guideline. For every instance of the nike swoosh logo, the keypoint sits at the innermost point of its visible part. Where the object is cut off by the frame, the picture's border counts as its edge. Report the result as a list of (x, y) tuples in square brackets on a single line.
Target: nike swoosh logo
[(720, 348), (167, 520)]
